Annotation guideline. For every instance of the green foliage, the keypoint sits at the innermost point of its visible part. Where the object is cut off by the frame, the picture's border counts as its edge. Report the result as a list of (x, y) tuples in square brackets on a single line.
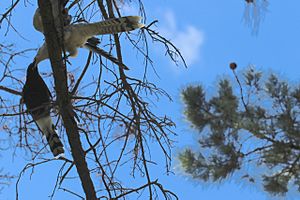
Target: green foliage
[(256, 124), (194, 98), (276, 184)]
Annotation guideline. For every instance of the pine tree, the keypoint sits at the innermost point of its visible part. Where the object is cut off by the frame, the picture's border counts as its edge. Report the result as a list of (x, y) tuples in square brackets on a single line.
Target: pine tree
[(256, 125)]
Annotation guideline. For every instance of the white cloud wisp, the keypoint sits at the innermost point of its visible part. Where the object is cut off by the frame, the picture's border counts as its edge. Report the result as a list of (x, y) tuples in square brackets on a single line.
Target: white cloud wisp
[(188, 40)]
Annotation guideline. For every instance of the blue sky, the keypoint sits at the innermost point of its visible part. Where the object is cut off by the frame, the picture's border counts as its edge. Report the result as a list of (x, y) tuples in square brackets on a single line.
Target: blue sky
[(210, 34)]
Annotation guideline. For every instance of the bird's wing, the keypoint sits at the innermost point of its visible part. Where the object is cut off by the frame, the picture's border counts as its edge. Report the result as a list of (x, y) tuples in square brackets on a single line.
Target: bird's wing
[(45, 88), (37, 97)]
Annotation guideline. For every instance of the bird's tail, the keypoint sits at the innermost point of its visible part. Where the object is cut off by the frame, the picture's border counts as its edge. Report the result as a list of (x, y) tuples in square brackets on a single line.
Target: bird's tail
[(110, 26), (46, 126), (54, 142)]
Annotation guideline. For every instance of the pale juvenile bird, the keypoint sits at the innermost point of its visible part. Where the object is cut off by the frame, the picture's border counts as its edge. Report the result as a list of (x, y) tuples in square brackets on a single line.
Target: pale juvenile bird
[(76, 35), (37, 99)]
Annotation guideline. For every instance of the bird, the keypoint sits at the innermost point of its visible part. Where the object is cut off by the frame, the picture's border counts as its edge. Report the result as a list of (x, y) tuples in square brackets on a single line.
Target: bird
[(91, 43), (77, 35), (37, 98)]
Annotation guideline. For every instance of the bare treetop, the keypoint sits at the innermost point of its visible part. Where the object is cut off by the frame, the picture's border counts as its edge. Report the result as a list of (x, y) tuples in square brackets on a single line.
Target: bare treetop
[(103, 116)]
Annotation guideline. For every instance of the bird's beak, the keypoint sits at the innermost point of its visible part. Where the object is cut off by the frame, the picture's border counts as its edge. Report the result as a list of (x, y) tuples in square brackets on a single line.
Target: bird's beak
[(34, 63)]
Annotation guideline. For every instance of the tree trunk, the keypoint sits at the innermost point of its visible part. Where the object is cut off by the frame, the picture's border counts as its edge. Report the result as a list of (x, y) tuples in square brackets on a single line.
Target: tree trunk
[(54, 44)]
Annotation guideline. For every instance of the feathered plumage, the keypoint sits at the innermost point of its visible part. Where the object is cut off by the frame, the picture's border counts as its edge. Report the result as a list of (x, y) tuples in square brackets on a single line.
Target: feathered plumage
[(76, 35), (37, 99)]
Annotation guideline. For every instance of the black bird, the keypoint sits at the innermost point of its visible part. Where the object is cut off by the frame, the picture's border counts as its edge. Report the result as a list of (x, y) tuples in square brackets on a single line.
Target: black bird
[(37, 99)]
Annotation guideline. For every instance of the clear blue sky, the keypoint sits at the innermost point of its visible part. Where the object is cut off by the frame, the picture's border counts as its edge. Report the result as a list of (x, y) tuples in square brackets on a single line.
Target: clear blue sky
[(211, 34)]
